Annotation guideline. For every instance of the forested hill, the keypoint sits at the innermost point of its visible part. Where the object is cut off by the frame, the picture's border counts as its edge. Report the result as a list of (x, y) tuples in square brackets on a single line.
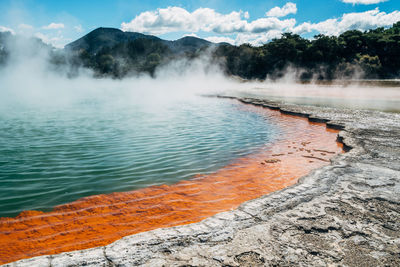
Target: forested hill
[(113, 53), (108, 38), (354, 54), (101, 38)]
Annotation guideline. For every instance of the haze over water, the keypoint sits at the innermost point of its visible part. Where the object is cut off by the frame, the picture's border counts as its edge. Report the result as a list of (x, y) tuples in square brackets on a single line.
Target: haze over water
[(372, 95)]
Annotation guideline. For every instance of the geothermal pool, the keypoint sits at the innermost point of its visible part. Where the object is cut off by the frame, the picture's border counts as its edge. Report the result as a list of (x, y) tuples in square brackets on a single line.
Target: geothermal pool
[(54, 156), (167, 164)]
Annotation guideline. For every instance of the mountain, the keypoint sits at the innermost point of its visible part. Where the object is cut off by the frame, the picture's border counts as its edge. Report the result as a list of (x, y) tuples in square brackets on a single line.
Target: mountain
[(370, 54), (116, 53), (101, 38)]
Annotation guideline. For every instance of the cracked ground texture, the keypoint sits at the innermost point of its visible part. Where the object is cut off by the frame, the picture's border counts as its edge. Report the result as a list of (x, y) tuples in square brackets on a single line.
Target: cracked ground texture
[(344, 214)]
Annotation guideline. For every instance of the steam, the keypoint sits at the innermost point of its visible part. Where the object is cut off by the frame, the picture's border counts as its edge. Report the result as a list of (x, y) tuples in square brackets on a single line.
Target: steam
[(30, 80), (353, 93)]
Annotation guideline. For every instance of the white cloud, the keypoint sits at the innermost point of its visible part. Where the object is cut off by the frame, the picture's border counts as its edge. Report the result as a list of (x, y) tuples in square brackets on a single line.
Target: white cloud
[(303, 28), (288, 8), (191, 35), (270, 24), (351, 21), (363, 2), (54, 26), (256, 32), (220, 39), (6, 29), (78, 28), (25, 26), (178, 19), (174, 19), (257, 39)]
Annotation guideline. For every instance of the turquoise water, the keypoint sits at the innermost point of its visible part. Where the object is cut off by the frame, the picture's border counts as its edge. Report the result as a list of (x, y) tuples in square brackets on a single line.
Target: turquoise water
[(50, 156)]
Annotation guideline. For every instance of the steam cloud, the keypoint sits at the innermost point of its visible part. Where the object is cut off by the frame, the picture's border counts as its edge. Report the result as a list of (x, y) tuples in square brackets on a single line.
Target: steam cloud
[(30, 80)]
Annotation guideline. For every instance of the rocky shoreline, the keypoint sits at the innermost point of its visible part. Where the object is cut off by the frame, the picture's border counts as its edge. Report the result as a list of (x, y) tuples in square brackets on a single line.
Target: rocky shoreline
[(347, 213)]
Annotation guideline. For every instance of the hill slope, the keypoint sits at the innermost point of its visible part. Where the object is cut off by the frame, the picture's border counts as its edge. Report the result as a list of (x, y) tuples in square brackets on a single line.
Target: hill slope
[(101, 38)]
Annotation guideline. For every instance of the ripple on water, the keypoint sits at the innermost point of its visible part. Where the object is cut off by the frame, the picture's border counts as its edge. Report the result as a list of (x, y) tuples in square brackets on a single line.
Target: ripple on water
[(48, 158), (253, 169)]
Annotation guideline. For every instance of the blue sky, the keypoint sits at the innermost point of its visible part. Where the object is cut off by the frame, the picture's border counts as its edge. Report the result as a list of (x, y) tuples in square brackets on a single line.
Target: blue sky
[(235, 21)]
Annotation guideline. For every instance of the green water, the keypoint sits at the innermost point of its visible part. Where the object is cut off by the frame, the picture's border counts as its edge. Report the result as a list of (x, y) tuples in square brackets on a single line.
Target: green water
[(54, 155)]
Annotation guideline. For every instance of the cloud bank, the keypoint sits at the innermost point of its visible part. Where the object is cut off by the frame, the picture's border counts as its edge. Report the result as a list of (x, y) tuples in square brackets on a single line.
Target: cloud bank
[(173, 19), (351, 21), (235, 27), (256, 32)]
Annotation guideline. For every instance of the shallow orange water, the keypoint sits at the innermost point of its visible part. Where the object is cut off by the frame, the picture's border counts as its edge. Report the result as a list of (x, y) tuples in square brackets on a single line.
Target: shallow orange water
[(101, 219)]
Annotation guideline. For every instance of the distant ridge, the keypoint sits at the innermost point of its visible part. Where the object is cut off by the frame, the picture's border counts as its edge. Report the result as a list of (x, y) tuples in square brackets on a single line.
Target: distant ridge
[(102, 37), (110, 52), (188, 43)]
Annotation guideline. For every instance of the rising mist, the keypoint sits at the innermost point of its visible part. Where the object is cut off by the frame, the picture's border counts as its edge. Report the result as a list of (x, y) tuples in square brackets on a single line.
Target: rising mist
[(37, 75)]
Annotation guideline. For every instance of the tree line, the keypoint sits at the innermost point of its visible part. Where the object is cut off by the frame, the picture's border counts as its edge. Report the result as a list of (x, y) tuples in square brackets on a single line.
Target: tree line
[(371, 54)]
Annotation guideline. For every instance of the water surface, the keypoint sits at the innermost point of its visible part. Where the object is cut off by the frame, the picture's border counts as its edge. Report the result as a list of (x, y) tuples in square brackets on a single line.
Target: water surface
[(54, 155), (99, 220)]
